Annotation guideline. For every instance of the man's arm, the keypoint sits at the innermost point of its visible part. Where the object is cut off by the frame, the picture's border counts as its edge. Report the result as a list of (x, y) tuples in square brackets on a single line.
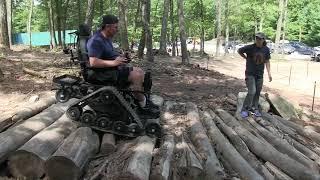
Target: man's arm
[(243, 50), (269, 71), (99, 63)]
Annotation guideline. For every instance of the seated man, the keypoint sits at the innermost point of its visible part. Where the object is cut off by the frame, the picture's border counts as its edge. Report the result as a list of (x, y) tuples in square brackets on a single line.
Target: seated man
[(107, 65)]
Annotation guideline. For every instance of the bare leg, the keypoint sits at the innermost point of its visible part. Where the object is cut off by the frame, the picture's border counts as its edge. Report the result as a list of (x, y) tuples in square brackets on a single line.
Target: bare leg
[(136, 78)]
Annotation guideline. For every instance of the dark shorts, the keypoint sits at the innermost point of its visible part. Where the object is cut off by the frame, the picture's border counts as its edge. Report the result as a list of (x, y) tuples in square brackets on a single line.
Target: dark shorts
[(123, 73), (117, 75)]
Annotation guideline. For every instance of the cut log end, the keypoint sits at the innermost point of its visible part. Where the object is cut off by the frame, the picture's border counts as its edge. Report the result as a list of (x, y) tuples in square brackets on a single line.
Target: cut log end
[(61, 168), (18, 168)]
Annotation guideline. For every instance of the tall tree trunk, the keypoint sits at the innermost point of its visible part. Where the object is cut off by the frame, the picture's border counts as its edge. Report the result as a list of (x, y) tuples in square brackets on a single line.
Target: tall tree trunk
[(284, 24), (202, 29), (53, 40), (163, 37), (300, 33), (64, 23), (29, 23), (9, 20), (101, 8), (142, 44), (279, 25), (137, 18), (146, 7), (4, 37), (218, 25), (173, 36), (262, 17), (184, 50), (226, 27), (122, 5), (89, 13), (58, 20), (79, 12)]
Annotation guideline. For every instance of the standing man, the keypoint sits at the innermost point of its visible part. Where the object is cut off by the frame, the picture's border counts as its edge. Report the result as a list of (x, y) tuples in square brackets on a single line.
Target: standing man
[(257, 56), (107, 65)]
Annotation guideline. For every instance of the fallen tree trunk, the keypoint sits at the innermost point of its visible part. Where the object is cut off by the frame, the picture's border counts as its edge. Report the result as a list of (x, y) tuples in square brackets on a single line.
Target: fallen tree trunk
[(284, 147), (34, 109), (237, 162), (241, 147), (108, 144), (286, 129), (161, 164), (288, 136), (138, 166), (267, 152), (26, 112), (15, 137), (277, 172), (212, 167), (39, 148), (188, 165), (71, 157), (33, 73), (308, 133)]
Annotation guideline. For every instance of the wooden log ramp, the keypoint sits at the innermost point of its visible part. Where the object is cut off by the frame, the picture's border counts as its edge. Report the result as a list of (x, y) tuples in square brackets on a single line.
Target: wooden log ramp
[(161, 164), (267, 152), (241, 147), (227, 150), (211, 165), (13, 138), (132, 161), (26, 112), (68, 162), (28, 161)]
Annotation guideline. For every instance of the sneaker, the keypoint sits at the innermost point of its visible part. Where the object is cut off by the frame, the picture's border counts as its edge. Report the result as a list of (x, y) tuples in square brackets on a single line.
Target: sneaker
[(244, 114), (150, 104), (257, 113), (148, 112)]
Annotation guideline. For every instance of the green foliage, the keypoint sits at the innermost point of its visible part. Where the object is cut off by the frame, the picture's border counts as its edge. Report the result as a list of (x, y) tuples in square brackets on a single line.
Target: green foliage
[(244, 17)]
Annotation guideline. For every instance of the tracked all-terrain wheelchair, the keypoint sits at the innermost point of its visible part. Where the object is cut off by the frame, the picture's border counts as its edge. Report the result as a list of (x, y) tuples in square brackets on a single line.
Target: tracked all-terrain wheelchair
[(110, 107)]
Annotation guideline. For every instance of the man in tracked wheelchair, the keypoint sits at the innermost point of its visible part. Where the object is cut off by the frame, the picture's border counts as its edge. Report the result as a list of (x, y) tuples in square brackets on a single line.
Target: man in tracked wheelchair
[(107, 65)]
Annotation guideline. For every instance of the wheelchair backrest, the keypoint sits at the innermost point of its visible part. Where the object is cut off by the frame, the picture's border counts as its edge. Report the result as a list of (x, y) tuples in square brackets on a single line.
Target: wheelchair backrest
[(83, 37)]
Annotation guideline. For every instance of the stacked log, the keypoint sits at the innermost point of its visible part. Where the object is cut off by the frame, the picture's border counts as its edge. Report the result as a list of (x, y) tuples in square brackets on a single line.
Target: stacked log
[(39, 148), (26, 112), (73, 155), (267, 152), (15, 137), (213, 169)]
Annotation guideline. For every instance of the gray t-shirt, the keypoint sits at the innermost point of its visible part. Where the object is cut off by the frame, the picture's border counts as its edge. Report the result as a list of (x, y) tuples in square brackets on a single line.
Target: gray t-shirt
[(256, 58)]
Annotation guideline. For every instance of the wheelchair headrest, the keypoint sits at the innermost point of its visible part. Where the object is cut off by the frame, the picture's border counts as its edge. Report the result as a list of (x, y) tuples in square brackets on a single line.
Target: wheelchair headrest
[(84, 30)]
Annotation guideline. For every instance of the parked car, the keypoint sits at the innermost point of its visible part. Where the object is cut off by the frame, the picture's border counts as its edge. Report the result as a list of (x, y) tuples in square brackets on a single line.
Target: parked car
[(316, 54), (301, 48)]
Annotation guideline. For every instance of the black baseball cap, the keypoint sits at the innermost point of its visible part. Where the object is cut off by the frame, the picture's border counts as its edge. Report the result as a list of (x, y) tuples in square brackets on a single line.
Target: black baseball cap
[(261, 35), (109, 19)]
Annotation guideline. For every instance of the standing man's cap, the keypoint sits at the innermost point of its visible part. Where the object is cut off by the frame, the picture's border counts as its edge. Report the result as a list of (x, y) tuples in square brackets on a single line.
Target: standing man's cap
[(261, 35), (109, 19)]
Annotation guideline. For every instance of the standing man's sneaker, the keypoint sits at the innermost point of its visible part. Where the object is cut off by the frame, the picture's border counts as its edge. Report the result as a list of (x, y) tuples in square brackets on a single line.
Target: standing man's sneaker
[(244, 114), (257, 113)]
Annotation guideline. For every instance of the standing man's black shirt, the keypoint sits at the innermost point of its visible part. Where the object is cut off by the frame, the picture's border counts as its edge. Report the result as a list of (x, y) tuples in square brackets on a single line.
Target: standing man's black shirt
[(256, 58)]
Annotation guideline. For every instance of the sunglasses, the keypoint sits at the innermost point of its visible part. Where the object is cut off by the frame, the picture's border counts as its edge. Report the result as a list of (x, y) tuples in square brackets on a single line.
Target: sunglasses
[(258, 38)]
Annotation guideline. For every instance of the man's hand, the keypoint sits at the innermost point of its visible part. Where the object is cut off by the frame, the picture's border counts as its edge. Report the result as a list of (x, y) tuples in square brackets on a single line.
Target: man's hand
[(120, 60), (270, 78)]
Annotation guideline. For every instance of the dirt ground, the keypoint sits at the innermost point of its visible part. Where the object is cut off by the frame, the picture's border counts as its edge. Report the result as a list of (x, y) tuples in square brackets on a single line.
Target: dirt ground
[(170, 79)]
